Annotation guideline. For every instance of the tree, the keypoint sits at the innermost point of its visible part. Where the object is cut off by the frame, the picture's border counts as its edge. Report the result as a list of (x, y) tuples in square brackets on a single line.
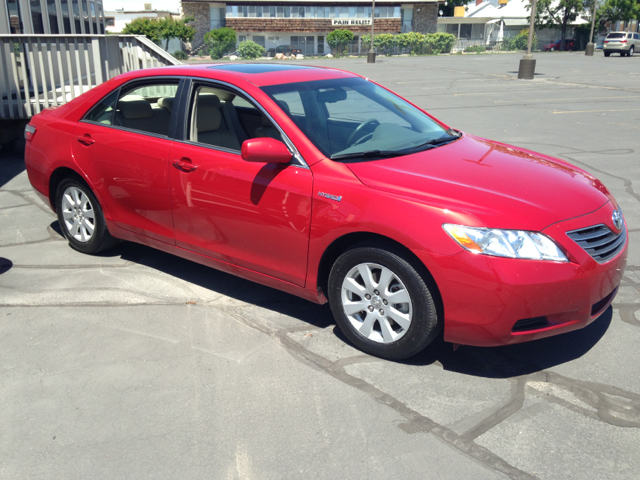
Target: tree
[(170, 28), (552, 13), (615, 10), (143, 26), (339, 39), (220, 41), (163, 29)]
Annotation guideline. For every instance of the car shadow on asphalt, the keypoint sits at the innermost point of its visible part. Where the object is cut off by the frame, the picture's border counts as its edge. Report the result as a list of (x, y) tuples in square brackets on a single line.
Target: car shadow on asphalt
[(490, 362), (515, 360), (11, 165), (226, 284)]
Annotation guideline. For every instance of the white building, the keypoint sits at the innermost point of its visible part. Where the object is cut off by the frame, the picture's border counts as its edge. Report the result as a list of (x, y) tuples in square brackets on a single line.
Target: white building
[(487, 23), (115, 21)]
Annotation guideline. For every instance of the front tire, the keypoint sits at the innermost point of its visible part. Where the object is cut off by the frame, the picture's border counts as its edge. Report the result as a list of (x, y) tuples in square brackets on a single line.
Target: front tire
[(630, 53), (81, 219), (381, 303)]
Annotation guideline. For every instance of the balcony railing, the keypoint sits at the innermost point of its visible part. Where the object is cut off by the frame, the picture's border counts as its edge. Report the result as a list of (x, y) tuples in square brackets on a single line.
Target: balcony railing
[(40, 71)]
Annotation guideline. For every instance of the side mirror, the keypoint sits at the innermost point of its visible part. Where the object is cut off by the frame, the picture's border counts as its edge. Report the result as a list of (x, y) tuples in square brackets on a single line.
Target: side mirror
[(265, 150)]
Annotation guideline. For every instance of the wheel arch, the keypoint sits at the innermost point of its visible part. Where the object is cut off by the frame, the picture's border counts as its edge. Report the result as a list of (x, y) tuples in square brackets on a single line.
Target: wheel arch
[(349, 240), (57, 176)]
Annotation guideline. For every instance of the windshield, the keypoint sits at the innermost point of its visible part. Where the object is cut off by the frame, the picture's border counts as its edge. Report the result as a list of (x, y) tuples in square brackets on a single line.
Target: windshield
[(351, 116)]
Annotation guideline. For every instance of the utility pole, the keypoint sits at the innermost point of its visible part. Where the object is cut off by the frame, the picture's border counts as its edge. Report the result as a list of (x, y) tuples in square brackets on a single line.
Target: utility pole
[(527, 62), (371, 56), (590, 46)]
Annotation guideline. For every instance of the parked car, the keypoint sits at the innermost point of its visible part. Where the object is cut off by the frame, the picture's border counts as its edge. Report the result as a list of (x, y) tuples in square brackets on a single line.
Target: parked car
[(624, 43), (568, 45), (285, 49), (323, 184)]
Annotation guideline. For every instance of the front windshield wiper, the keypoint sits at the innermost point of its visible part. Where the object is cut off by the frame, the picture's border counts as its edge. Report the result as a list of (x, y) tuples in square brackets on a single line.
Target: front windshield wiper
[(437, 141), (369, 153), (397, 153)]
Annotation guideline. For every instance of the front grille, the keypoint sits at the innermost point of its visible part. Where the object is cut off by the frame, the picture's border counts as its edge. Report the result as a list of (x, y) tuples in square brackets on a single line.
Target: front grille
[(526, 324), (599, 241)]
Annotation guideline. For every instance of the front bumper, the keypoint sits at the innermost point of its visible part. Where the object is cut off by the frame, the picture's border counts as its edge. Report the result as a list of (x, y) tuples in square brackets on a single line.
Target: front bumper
[(484, 297)]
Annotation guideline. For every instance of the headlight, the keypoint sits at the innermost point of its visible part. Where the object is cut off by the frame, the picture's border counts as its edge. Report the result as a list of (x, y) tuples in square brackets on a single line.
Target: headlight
[(506, 243)]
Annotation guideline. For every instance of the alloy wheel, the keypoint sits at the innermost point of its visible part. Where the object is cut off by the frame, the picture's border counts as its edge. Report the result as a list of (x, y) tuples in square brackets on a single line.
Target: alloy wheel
[(376, 303), (78, 214)]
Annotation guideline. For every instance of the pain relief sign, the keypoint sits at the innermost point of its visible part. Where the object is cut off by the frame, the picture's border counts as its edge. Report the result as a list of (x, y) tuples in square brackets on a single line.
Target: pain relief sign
[(347, 22)]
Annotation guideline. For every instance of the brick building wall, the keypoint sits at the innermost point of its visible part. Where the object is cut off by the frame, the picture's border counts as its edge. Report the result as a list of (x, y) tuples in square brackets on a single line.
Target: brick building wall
[(425, 18), (199, 11), (296, 25)]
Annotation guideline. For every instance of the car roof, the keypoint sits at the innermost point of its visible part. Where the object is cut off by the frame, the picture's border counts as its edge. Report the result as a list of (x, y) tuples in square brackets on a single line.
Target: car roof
[(260, 74)]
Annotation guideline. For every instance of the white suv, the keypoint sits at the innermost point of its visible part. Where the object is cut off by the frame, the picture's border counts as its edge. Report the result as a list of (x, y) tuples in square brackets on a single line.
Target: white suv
[(624, 43)]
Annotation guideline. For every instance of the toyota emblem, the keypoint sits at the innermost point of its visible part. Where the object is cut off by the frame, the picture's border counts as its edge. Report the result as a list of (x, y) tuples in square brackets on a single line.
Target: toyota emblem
[(617, 219)]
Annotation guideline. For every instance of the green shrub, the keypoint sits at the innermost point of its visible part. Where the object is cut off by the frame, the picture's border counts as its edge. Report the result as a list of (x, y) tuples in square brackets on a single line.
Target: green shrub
[(383, 43), (520, 41), (220, 41), (339, 39), (412, 41), (476, 49), (250, 50), (436, 43), (180, 55)]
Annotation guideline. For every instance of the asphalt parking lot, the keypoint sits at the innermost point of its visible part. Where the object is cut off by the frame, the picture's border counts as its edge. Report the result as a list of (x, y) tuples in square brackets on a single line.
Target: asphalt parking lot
[(137, 364)]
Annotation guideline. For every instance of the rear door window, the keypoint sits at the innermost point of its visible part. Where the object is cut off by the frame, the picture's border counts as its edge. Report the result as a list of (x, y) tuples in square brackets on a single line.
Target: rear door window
[(102, 113), (147, 108)]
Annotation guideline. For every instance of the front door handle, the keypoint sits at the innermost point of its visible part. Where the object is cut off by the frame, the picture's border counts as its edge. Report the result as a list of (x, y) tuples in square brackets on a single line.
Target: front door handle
[(184, 164), (86, 140)]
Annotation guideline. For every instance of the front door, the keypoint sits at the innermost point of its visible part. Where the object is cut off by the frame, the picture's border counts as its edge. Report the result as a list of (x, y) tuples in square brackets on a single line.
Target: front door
[(254, 215)]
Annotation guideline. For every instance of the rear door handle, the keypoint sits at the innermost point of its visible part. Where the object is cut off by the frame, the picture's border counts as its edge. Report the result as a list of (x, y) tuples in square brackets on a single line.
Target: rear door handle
[(86, 140), (184, 164)]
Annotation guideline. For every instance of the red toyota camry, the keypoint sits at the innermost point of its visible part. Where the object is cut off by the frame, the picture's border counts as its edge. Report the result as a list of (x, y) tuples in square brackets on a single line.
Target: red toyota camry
[(326, 185)]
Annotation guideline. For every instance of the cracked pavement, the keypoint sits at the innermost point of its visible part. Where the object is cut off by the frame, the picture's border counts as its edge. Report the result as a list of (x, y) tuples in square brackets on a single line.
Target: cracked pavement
[(139, 364)]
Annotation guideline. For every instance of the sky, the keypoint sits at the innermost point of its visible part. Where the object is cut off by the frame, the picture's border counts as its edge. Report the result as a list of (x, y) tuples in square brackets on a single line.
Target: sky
[(170, 5)]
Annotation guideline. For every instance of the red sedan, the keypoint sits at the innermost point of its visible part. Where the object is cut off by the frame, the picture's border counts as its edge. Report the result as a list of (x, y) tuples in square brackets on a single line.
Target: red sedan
[(326, 185)]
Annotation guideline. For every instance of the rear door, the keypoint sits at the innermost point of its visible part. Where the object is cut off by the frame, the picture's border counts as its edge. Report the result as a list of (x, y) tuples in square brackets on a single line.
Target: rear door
[(123, 146)]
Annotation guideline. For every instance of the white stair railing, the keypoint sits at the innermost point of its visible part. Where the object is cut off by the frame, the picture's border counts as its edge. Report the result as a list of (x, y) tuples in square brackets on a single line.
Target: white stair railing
[(40, 71)]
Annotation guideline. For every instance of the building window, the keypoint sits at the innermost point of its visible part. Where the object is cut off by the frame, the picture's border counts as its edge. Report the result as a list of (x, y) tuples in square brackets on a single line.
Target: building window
[(64, 6), (76, 15), (259, 39), (85, 15), (15, 20), (52, 16), (110, 21), (36, 17), (407, 21), (282, 11)]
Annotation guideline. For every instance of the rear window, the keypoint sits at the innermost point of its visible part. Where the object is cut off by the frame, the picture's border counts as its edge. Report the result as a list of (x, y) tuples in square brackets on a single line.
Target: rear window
[(615, 35)]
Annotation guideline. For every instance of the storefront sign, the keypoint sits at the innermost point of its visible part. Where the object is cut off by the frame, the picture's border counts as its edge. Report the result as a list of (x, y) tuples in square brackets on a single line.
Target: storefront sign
[(348, 22)]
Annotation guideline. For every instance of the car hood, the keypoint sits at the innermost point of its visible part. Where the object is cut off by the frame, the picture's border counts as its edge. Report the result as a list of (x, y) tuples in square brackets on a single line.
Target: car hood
[(502, 185)]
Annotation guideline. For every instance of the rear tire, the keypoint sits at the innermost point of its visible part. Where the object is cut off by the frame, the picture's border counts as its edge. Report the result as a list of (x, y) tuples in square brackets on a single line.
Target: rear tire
[(398, 319), (606, 54), (630, 53), (81, 219)]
